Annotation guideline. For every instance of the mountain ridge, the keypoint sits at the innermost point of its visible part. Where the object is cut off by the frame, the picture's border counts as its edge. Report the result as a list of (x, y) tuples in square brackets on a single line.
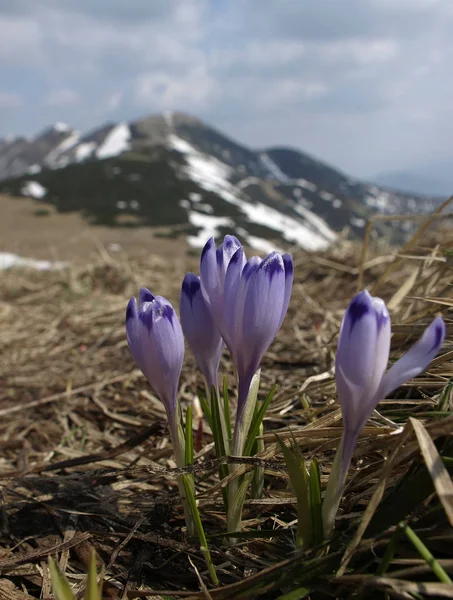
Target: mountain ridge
[(174, 170)]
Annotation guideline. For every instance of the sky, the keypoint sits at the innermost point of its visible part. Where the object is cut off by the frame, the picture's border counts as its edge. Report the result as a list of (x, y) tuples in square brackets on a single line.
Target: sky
[(364, 84)]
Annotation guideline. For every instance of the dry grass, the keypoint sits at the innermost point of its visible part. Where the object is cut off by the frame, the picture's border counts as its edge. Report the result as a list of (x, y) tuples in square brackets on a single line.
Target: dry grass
[(85, 461)]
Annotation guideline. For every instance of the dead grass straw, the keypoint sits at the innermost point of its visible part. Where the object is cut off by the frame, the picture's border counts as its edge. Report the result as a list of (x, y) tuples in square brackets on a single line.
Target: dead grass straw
[(85, 459)]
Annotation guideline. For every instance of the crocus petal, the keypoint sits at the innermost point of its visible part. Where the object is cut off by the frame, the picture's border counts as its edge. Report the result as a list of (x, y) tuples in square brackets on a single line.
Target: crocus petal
[(231, 297), (357, 341), (132, 333), (415, 360), (209, 275), (199, 329), (156, 343), (213, 266), (224, 254), (289, 277), (262, 310), (145, 296), (361, 360)]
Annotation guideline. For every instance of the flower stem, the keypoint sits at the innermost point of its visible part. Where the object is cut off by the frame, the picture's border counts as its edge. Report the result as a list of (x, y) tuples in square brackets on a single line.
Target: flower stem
[(248, 393), (178, 443), (336, 485)]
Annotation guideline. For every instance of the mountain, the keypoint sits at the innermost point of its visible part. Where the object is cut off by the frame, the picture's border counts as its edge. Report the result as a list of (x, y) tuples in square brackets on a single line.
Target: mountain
[(176, 172), (426, 179)]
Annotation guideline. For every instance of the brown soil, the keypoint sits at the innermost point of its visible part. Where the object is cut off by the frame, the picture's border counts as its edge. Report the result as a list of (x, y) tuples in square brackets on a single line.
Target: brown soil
[(67, 237)]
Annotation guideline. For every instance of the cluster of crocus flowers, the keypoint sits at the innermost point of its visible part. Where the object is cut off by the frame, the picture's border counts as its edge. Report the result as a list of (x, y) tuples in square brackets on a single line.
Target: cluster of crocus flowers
[(241, 304), (234, 302), (362, 380), (248, 301)]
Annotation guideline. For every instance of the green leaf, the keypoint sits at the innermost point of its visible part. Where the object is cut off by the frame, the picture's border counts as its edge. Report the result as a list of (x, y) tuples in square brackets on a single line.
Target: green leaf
[(226, 408), (93, 590), (257, 420), (425, 554), (189, 437), (237, 502), (205, 408), (298, 594), (217, 425), (188, 487), (258, 472), (60, 585), (300, 482), (443, 403), (316, 502), (219, 442)]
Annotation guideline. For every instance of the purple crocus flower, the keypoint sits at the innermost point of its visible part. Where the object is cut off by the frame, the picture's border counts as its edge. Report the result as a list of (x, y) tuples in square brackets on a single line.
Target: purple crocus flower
[(199, 329), (362, 358), (213, 265), (255, 302), (156, 342), (362, 381)]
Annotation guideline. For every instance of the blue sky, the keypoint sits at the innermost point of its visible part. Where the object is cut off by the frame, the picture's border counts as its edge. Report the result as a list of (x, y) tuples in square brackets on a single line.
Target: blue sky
[(363, 84)]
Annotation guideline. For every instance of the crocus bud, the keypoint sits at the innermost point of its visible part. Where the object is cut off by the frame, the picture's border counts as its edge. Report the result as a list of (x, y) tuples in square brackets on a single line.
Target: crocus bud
[(256, 299), (213, 265), (156, 342), (361, 360), (199, 329)]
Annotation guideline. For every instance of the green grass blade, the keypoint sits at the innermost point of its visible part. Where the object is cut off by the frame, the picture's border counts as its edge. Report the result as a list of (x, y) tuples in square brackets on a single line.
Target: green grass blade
[(189, 437), (389, 552), (257, 420), (205, 408), (219, 443), (199, 528), (425, 554), (236, 504), (258, 472), (226, 408), (298, 594), (217, 425), (299, 479), (93, 590), (60, 585), (443, 404), (316, 502)]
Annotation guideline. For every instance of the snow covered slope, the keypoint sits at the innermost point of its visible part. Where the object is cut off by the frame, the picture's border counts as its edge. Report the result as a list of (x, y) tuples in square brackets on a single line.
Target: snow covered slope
[(174, 170)]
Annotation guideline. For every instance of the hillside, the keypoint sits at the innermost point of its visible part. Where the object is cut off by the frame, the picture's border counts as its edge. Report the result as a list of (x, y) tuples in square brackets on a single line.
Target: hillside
[(176, 172)]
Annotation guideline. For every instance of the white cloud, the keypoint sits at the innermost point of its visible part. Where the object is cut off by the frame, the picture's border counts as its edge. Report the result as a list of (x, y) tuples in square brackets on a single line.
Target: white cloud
[(21, 40), (9, 100), (191, 90), (358, 82), (359, 51), (62, 98), (114, 101)]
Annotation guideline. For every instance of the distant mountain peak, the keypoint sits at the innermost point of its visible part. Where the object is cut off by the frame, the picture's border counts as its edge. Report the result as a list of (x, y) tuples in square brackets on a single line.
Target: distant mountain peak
[(61, 127)]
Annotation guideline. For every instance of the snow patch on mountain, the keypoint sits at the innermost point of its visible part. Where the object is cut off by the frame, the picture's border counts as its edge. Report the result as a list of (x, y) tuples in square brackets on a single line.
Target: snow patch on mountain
[(213, 176), (116, 142), (84, 151), (33, 189), (261, 245), (291, 229), (306, 184), (61, 127), (273, 169), (209, 227), (53, 157)]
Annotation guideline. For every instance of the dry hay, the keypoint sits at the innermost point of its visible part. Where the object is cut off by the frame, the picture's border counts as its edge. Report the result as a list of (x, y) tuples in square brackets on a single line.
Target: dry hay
[(85, 460)]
